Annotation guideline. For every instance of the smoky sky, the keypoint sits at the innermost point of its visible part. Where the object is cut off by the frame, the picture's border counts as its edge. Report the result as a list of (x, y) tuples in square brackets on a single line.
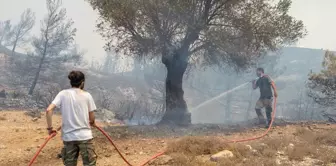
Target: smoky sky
[(318, 16)]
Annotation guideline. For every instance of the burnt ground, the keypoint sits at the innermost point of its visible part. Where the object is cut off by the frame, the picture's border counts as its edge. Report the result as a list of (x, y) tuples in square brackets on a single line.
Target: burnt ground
[(286, 144)]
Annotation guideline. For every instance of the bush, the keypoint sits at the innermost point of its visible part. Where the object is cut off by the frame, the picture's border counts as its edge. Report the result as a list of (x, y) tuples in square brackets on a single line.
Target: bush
[(16, 94), (139, 112), (44, 95)]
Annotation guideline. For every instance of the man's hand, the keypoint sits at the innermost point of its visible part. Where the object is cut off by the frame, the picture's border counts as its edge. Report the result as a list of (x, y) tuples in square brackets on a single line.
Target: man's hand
[(275, 94), (51, 131), (254, 84), (93, 124)]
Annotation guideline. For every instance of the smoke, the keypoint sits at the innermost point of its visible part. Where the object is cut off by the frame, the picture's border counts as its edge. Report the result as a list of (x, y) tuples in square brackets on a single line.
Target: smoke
[(213, 95)]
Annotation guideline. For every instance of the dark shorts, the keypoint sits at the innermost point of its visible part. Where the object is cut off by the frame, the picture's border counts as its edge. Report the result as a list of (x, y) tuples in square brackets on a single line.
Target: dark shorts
[(72, 149)]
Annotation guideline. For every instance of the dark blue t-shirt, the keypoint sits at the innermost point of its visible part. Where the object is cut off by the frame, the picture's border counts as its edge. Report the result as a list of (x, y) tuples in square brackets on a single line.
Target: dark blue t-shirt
[(265, 85)]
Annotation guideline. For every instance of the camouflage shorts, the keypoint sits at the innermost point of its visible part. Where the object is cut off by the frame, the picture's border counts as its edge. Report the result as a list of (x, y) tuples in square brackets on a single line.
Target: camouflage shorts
[(72, 149), (261, 103)]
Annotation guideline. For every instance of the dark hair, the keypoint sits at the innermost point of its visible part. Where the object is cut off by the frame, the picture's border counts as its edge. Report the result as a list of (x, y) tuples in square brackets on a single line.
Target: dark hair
[(260, 69), (76, 78)]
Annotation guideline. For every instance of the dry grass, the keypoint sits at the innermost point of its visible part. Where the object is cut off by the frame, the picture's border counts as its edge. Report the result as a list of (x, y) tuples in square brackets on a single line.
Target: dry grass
[(300, 151), (307, 143), (323, 155), (327, 155), (319, 138), (196, 146), (270, 146), (183, 160), (277, 143), (251, 161), (305, 135), (326, 138), (2, 118), (196, 151), (318, 145), (187, 151)]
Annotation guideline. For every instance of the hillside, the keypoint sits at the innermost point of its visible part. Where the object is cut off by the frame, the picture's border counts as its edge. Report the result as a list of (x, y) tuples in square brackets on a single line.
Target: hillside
[(295, 145), (109, 90)]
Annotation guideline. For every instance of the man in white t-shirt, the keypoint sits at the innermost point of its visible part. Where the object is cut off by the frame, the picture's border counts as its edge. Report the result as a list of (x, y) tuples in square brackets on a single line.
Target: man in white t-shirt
[(77, 109)]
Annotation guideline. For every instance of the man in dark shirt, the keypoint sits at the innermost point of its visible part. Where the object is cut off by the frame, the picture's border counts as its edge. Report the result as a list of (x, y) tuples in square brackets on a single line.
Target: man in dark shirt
[(265, 84)]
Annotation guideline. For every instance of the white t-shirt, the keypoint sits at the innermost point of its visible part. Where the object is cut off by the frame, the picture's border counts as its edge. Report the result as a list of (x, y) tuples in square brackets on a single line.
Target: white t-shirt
[(75, 105)]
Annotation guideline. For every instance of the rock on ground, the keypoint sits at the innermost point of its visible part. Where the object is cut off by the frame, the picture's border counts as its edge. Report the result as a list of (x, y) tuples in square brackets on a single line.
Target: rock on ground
[(221, 155)]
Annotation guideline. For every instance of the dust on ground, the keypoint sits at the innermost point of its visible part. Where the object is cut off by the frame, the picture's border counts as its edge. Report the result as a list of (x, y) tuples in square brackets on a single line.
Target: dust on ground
[(299, 144)]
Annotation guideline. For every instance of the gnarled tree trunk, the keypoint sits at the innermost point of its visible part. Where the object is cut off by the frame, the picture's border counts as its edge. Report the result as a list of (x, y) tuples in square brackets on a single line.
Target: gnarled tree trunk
[(176, 107)]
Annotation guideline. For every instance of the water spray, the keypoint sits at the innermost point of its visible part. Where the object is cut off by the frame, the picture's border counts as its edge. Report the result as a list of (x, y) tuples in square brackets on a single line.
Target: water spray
[(221, 95)]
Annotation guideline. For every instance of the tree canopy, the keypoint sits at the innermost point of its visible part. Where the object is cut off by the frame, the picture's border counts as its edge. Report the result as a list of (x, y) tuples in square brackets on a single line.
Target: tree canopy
[(5, 31), (21, 30), (55, 44), (323, 84), (217, 30)]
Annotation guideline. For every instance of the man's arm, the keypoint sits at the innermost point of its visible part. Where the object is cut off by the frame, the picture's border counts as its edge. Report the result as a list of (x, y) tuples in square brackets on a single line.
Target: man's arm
[(254, 84), (92, 118), (275, 93), (274, 89), (55, 103), (49, 113), (92, 108)]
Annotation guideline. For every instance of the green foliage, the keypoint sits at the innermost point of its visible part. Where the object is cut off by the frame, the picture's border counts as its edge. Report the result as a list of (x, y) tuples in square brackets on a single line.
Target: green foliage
[(21, 30), (217, 31), (323, 84), (5, 31), (329, 65), (55, 45)]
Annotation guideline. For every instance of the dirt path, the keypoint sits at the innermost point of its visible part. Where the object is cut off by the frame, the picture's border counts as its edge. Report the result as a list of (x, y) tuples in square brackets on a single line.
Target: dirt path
[(21, 137)]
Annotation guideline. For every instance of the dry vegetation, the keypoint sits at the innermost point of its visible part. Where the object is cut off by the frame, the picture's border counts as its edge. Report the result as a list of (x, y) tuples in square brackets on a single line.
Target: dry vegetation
[(2, 118), (301, 145), (304, 146)]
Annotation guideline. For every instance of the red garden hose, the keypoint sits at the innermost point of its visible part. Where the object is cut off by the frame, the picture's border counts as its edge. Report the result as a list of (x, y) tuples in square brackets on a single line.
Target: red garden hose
[(265, 133), (161, 153), (40, 149), (229, 141), (111, 141)]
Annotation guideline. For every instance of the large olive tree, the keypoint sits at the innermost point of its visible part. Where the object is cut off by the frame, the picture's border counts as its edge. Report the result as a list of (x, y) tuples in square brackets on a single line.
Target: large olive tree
[(221, 32)]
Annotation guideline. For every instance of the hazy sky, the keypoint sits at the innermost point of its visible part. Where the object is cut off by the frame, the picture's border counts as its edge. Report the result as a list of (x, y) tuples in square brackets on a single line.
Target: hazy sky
[(317, 15)]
